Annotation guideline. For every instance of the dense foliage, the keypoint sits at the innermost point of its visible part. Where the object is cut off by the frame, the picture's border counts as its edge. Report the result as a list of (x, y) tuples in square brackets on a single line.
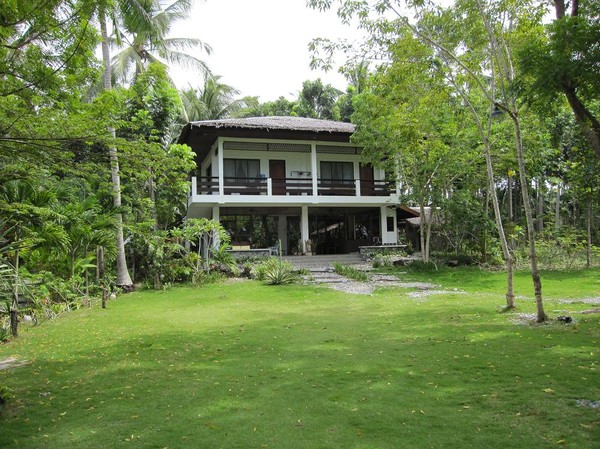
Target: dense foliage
[(478, 109)]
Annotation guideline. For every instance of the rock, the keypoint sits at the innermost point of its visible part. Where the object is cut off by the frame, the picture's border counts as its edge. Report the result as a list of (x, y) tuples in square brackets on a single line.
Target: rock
[(399, 263)]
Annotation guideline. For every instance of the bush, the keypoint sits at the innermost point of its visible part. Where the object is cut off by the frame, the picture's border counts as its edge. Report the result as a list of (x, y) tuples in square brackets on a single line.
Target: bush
[(419, 266), (275, 272), (383, 260), (351, 272), (5, 395), (561, 252), (4, 333)]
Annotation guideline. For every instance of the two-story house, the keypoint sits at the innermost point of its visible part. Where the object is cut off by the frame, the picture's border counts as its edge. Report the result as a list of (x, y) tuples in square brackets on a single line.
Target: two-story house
[(293, 179)]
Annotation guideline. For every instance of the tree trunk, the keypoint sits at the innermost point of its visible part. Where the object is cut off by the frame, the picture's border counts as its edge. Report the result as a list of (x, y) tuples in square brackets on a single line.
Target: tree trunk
[(588, 246), (506, 253), (539, 213), (424, 254), (152, 194), (584, 117), (510, 197), (557, 210), (535, 274), (486, 214), (100, 274), (14, 306), (123, 278)]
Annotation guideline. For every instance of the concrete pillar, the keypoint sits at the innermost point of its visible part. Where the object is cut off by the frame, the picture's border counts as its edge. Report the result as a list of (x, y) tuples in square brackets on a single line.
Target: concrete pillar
[(282, 232), (304, 227), (216, 216), (383, 223), (221, 168), (313, 166)]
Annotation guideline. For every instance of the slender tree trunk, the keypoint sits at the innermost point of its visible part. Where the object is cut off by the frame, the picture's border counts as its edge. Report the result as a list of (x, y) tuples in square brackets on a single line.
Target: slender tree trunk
[(123, 278), (152, 194), (510, 197), (486, 214), (539, 214), (506, 253), (100, 274), (535, 274), (424, 254), (491, 188), (428, 235), (557, 210), (588, 246), (14, 307)]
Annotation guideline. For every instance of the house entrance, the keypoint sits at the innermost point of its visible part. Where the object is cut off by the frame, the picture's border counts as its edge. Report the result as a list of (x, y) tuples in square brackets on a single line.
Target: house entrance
[(332, 230), (343, 230)]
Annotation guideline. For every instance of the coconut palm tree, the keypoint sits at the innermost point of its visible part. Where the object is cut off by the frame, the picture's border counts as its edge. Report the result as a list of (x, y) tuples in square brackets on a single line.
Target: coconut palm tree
[(123, 277), (144, 41), (213, 101)]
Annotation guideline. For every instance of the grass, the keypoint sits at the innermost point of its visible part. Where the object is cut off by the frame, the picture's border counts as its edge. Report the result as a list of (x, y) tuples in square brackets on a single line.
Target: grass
[(252, 366)]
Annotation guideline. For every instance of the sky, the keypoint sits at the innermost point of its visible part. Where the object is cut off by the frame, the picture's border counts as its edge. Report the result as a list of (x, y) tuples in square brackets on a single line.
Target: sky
[(260, 47)]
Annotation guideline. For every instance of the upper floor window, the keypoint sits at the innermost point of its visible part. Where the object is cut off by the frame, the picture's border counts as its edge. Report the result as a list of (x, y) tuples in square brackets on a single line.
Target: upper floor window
[(241, 169), (337, 171)]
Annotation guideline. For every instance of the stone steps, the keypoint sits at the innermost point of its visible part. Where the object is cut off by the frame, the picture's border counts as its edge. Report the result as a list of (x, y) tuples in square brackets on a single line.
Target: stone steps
[(324, 262)]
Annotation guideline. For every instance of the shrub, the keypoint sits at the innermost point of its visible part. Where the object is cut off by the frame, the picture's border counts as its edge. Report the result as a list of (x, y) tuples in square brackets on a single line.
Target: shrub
[(383, 260), (275, 272), (350, 272), (5, 395), (419, 266), (280, 274), (4, 333)]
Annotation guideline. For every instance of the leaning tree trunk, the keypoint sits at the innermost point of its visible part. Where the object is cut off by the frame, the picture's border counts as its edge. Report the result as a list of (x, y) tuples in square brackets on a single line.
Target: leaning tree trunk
[(535, 274), (506, 253), (123, 278), (14, 306)]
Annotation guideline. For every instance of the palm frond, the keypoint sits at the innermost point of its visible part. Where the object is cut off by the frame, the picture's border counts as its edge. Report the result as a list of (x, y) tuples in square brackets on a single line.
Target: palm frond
[(186, 61), (124, 63), (178, 43)]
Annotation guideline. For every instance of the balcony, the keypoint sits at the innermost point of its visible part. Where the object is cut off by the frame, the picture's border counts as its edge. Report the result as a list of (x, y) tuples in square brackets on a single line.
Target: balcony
[(291, 187)]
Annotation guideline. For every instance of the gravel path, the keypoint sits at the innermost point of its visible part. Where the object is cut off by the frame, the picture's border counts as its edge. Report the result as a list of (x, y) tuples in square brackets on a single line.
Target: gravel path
[(344, 284)]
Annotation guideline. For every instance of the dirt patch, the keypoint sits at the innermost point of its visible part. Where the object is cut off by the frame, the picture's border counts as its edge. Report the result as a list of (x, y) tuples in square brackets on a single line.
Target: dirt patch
[(596, 310), (592, 300), (11, 363)]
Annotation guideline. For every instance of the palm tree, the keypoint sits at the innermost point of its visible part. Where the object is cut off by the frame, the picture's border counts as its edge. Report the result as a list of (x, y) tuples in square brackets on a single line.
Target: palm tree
[(123, 277), (145, 41), (214, 101)]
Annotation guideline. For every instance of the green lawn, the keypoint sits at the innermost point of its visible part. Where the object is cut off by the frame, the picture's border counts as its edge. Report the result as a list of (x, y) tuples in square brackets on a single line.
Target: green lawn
[(252, 366)]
